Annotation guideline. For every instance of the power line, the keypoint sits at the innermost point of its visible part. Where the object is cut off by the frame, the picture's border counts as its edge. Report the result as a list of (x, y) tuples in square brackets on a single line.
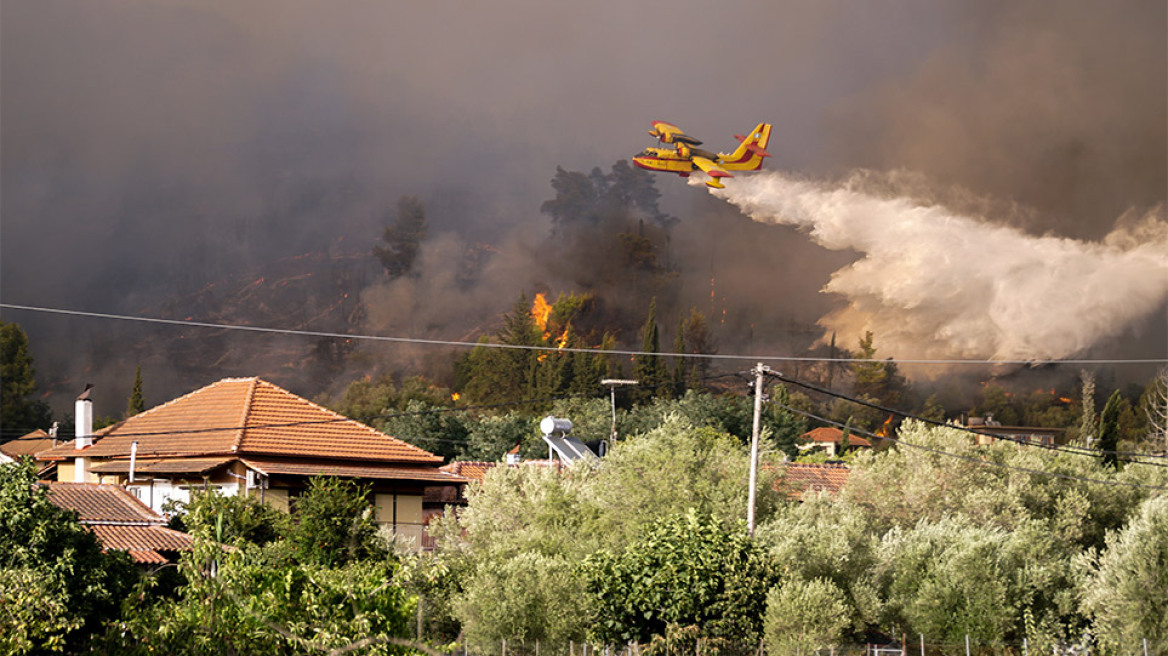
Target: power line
[(594, 351), (977, 461), (544, 399)]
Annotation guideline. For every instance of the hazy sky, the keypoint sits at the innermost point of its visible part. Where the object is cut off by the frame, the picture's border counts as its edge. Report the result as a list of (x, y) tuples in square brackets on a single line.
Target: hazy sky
[(148, 145)]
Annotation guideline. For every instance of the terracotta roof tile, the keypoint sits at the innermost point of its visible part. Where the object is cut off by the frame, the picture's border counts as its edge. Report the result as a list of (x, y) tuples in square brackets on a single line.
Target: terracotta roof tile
[(830, 434), (800, 477), (324, 433), (97, 503), (375, 470), (142, 538), (62, 451), (28, 445), (248, 416), (477, 470), (471, 470), (161, 466)]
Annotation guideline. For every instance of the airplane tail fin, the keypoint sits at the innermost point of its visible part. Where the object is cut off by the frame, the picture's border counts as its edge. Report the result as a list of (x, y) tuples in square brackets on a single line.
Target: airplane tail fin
[(750, 153)]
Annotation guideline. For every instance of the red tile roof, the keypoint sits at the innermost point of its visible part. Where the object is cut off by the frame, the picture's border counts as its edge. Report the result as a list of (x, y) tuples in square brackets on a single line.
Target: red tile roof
[(102, 504), (247, 416), (143, 542), (163, 466), (119, 520), (471, 470), (477, 470), (826, 434), (28, 445), (389, 471), (798, 478)]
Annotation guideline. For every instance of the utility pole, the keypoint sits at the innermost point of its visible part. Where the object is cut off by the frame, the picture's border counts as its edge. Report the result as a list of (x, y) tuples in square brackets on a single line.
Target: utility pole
[(612, 384), (759, 370)]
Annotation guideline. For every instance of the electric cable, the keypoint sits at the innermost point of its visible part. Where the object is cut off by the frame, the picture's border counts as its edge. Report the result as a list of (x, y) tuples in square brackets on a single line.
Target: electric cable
[(594, 351)]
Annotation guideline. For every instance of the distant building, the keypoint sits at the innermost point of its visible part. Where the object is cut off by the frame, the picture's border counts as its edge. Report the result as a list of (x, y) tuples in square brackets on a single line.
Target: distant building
[(28, 446), (829, 439), (989, 431), (797, 479)]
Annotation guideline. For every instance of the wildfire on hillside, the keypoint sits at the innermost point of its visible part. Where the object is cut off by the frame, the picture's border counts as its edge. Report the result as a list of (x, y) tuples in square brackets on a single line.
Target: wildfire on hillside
[(541, 312)]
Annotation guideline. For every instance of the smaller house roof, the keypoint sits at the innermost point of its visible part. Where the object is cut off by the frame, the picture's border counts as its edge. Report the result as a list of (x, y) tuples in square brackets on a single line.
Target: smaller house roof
[(143, 542), (28, 445), (119, 520), (801, 477), (830, 434), (476, 470), (97, 503)]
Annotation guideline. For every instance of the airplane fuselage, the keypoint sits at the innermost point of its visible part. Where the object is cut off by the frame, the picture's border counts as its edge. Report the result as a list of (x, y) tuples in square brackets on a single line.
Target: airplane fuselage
[(684, 157)]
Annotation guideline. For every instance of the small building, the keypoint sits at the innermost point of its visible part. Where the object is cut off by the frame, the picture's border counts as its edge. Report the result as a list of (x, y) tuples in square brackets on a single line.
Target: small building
[(246, 436), (830, 440), (990, 430), (28, 446), (121, 522), (799, 478)]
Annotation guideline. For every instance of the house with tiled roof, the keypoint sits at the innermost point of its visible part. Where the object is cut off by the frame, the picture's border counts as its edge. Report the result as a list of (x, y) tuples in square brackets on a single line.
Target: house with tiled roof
[(797, 479), (246, 436), (28, 446), (121, 522), (830, 440)]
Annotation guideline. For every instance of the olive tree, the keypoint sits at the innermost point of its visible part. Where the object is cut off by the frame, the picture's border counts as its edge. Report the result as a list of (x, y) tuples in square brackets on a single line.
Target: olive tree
[(1125, 590)]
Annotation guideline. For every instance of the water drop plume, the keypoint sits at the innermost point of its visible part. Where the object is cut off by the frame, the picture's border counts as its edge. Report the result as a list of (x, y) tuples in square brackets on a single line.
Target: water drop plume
[(933, 283)]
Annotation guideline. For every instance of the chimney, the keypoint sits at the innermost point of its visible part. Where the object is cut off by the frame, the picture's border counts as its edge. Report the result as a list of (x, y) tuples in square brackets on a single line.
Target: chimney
[(83, 429)]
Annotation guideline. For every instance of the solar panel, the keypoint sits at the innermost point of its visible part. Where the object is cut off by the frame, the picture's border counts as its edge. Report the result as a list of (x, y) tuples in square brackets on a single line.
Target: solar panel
[(570, 449)]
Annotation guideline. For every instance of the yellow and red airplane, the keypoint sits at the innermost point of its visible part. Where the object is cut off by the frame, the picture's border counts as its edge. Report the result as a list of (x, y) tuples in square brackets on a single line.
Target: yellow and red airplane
[(685, 156)]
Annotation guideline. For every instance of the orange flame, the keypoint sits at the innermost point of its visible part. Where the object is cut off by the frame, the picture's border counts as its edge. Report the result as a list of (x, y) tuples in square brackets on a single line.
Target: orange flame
[(886, 427), (541, 311), (454, 396)]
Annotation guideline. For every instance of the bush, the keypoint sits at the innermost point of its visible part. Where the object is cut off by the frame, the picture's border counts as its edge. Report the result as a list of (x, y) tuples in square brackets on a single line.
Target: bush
[(687, 570), (803, 616)]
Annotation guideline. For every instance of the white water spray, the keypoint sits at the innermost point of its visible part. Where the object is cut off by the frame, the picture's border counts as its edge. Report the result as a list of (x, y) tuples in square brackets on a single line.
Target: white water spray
[(931, 283)]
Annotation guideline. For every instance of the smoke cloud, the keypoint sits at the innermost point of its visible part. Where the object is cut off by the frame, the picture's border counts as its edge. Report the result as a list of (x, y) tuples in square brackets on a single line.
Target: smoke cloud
[(161, 158), (933, 283)]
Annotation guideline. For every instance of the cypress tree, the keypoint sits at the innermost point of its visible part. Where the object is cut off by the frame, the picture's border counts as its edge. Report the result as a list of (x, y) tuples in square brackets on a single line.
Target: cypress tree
[(1109, 430), (137, 403), (649, 370)]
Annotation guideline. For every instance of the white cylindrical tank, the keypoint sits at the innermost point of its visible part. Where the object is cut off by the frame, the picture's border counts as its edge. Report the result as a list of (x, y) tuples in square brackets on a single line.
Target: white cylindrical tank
[(551, 425)]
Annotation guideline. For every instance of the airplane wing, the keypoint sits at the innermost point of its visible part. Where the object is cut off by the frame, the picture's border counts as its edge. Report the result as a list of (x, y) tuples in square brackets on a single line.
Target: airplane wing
[(712, 170), (670, 133)]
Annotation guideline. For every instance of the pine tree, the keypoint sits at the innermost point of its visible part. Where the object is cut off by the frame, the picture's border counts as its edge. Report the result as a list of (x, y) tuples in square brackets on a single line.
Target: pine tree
[(19, 413), (137, 403), (403, 238), (503, 375)]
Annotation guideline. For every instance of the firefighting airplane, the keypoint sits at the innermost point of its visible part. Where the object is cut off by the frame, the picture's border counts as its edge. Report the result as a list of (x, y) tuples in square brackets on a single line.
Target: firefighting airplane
[(684, 157)]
